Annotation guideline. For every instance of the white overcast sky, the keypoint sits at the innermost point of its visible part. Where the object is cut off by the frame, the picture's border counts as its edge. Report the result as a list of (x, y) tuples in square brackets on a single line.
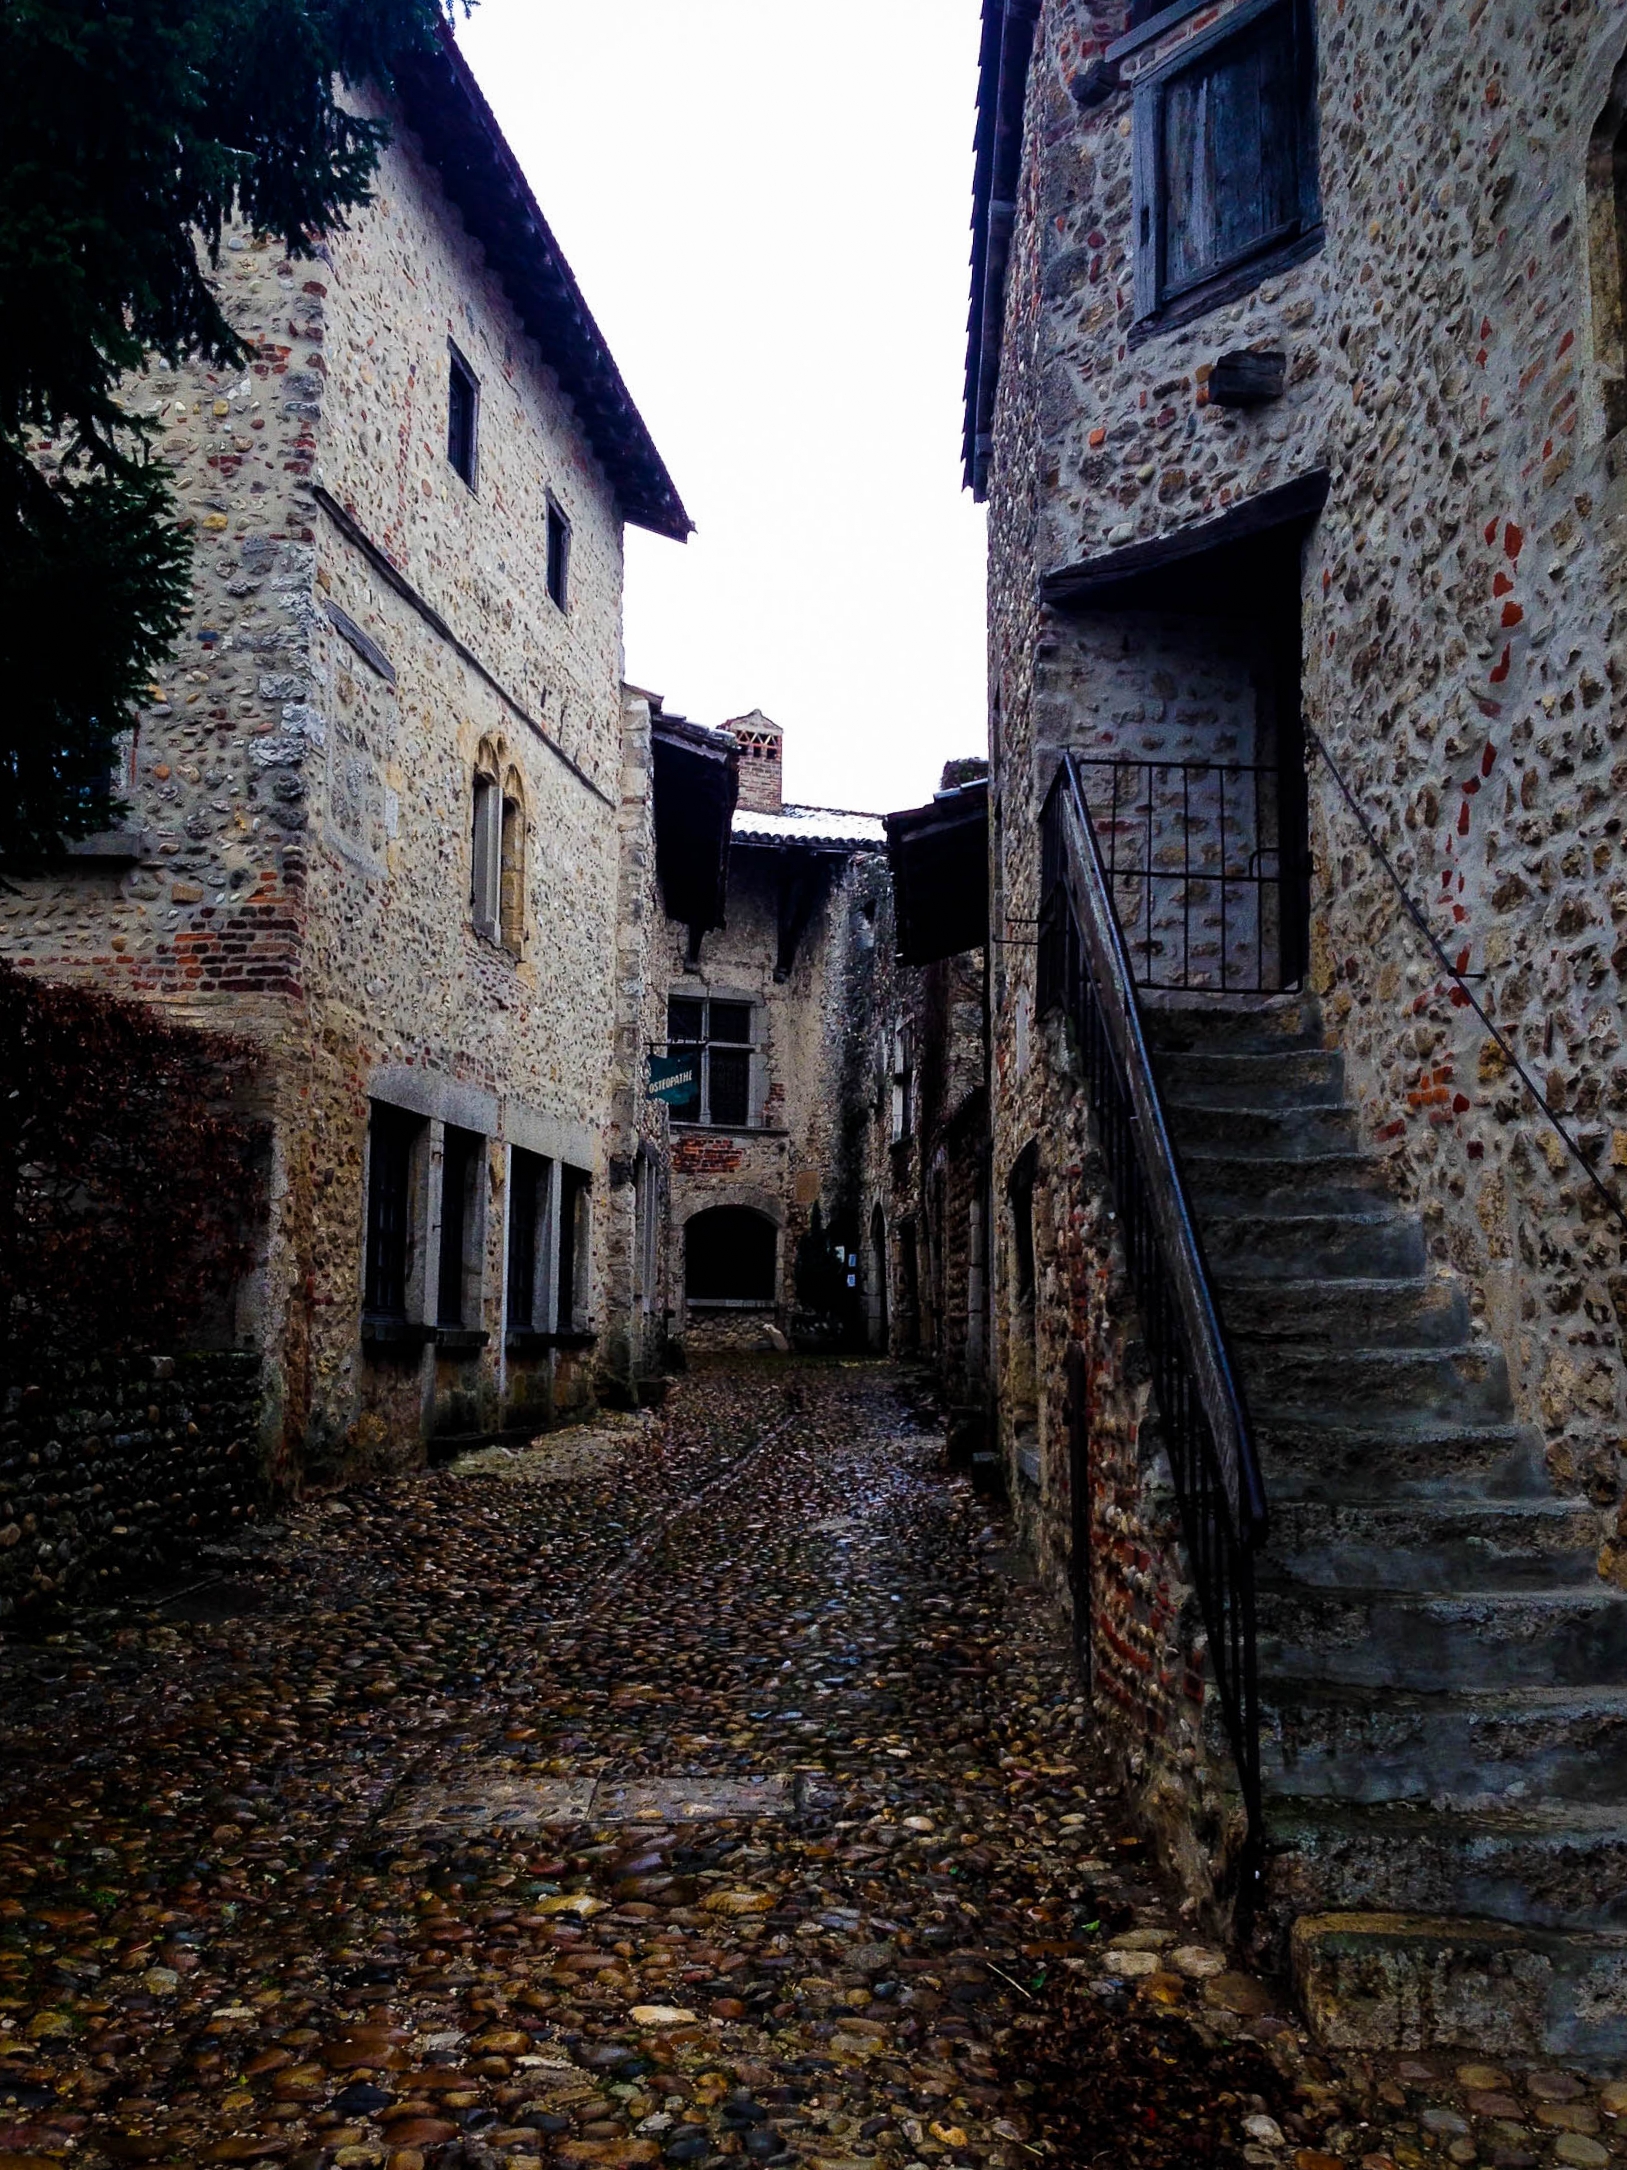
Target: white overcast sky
[(767, 208)]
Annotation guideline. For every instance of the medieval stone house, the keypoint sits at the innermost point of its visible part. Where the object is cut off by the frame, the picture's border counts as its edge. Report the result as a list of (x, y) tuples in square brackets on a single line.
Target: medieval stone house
[(390, 806), (765, 1041), (1295, 388)]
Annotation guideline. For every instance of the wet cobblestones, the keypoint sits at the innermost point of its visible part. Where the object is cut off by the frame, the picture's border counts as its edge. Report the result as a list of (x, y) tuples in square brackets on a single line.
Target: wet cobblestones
[(691, 1789)]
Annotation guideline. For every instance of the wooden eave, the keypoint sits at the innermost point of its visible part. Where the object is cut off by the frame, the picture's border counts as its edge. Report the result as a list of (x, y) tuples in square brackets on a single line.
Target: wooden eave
[(444, 107), (939, 856)]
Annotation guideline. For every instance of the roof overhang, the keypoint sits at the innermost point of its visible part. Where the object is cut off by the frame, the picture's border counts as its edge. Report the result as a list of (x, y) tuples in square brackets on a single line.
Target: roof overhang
[(940, 862), (444, 107), (1002, 90), (697, 777), (1224, 567), (830, 832)]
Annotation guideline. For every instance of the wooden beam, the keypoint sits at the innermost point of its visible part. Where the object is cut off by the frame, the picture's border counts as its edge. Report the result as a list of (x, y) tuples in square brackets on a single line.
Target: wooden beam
[(1090, 584)]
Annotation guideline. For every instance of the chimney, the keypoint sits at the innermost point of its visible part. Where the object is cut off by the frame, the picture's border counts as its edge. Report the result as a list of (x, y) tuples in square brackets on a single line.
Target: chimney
[(761, 744)]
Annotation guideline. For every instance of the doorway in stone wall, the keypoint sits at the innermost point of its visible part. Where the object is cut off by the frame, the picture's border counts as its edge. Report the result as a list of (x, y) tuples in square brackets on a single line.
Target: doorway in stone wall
[(1175, 680)]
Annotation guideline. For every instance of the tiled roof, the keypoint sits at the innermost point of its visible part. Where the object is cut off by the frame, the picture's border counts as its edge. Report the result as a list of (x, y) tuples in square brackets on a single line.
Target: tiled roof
[(446, 110), (826, 828)]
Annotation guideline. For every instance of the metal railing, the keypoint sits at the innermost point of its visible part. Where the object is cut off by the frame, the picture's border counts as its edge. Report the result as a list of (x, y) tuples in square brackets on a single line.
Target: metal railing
[(1085, 968), (1209, 899)]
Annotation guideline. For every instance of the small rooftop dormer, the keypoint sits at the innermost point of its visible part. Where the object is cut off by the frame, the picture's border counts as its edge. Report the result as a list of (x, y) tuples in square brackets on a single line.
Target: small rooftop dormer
[(762, 774)]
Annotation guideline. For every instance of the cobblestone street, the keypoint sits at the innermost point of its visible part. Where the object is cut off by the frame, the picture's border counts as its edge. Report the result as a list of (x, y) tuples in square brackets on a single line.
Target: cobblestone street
[(689, 1786)]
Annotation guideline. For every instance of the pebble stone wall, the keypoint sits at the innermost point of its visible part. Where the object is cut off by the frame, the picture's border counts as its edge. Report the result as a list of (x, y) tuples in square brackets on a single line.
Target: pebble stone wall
[(633, 1230), (1453, 361), (301, 784), (120, 1468)]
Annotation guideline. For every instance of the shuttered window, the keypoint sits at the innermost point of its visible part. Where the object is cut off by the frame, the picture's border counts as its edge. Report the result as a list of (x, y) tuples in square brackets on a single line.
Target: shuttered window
[(1225, 158)]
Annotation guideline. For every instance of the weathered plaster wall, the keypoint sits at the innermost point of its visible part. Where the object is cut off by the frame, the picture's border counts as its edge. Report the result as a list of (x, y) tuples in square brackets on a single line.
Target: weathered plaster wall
[(815, 1037)]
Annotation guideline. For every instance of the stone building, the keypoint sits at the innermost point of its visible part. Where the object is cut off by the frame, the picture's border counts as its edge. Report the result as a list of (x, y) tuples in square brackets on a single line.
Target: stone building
[(931, 1221), (1295, 388), (765, 1043), (390, 806)]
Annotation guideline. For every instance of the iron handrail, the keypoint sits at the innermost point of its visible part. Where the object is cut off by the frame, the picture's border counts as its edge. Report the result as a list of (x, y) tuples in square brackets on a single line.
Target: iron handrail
[(1471, 1000), (1220, 1492)]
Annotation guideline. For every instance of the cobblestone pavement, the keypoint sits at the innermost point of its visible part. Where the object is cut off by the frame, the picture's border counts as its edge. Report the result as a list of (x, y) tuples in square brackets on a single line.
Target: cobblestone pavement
[(679, 1790)]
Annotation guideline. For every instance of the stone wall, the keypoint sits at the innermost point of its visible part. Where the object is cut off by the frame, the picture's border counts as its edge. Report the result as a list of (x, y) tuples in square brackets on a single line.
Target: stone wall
[(117, 1468), (1182, 710), (633, 1346), (1450, 364), (931, 1177), (365, 631), (1450, 361)]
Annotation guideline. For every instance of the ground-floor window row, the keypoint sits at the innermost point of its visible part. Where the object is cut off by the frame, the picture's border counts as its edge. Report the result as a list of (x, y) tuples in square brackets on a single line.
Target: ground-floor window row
[(428, 1221)]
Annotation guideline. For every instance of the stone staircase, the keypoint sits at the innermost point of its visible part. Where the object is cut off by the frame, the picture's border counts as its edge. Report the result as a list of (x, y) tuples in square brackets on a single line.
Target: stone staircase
[(1444, 1677)]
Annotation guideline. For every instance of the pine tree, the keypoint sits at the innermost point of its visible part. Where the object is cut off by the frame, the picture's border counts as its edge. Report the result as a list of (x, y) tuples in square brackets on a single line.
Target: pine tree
[(132, 133)]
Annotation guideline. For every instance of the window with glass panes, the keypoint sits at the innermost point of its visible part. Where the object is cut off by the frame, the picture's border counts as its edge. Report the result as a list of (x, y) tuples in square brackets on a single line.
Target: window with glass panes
[(1226, 178), (721, 1033)]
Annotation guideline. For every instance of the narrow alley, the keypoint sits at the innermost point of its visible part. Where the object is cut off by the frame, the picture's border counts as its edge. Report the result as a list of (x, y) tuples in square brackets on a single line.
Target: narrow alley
[(688, 1785)]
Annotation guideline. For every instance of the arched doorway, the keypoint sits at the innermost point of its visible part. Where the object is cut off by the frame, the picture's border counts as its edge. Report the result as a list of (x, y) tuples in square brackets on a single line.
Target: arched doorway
[(876, 1294), (731, 1256)]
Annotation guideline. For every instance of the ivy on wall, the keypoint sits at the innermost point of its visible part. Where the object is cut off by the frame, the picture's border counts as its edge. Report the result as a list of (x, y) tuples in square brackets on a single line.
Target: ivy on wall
[(131, 1176)]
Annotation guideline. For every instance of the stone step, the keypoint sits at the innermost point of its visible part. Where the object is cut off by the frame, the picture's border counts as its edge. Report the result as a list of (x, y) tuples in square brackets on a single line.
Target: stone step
[(1517, 1745), (1224, 1185), (1528, 1544), (1269, 1026), (1274, 1132), (1302, 1077), (1377, 1982), (1383, 1462), (1415, 1640), (1468, 1383), (1422, 1312), (1377, 1244), (1562, 1866)]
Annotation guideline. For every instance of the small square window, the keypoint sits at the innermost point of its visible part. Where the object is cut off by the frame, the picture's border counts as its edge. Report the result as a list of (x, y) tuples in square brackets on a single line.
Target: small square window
[(1226, 177), (685, 1020), (463, 418), (731, 1021), (559, 556)]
